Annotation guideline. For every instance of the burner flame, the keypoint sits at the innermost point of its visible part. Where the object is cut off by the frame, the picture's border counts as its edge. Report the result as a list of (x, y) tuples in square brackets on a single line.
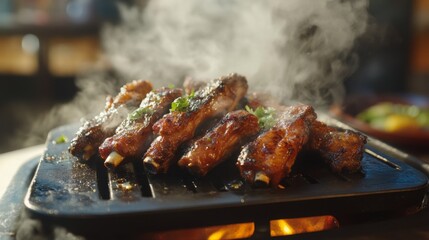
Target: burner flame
[(279, 227), (291, 226)]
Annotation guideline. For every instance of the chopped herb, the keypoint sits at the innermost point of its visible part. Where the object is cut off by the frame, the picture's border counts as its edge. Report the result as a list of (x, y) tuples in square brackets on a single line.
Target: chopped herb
[(171, 86), (181, 104), (61, 139), (139, 112), (266, 116)]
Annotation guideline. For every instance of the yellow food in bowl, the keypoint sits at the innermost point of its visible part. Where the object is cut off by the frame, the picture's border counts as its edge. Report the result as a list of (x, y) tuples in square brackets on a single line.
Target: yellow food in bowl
[(393, 117), (397, 122)]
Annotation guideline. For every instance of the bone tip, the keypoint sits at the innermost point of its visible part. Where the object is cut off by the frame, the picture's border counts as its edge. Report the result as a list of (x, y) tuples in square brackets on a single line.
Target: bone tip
[(261, 180), (151, 165), (113, 160)]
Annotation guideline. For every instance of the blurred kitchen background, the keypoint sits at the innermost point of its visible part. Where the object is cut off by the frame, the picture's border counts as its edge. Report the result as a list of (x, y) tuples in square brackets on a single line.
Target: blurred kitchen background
[(45, 45)]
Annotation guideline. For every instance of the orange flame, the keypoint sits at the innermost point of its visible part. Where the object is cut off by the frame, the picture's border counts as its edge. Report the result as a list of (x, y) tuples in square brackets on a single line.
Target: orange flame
[(280, 227), (283, 227), (231, 231)]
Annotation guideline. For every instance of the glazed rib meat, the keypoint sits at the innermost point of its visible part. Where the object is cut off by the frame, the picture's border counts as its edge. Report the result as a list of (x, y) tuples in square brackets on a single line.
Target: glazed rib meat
[(341, 150), (210, 150), (270, 157), (134, 134), (93, 132), (217, 98)]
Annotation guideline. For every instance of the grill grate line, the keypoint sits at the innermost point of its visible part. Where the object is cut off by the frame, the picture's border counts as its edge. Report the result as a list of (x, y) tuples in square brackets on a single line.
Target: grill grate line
[(142, 179), (123, 183), (102, 180)]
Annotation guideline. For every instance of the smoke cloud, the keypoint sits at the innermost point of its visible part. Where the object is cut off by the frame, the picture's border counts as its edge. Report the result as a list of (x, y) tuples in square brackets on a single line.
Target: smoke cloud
[(295, 49), (94, 87)]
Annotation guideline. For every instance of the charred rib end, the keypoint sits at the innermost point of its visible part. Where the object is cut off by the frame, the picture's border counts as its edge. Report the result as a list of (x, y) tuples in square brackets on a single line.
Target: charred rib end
[(113, 160), (261, 180), (151, 165)]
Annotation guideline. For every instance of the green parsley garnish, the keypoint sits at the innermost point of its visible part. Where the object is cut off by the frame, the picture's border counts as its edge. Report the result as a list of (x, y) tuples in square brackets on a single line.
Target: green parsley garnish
[(181, 104), (139, 112), (171, 86), (266, 116), (61, 139)]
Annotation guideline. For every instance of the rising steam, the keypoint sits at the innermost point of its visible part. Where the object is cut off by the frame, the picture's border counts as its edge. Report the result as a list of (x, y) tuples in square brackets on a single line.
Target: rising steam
[(294, 49)]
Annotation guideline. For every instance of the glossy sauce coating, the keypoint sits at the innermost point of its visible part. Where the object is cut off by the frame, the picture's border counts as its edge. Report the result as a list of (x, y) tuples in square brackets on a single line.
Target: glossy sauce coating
[(342, 150), (134, 135), (93, 132), (270, 157), (210, 150), (216, 99)]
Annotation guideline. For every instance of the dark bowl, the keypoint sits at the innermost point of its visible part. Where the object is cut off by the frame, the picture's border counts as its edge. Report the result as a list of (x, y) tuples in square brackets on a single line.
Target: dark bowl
[(409, 139)]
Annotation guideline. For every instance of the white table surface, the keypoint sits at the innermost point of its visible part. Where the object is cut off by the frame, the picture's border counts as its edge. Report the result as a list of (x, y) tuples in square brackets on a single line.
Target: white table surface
[(10, 163)]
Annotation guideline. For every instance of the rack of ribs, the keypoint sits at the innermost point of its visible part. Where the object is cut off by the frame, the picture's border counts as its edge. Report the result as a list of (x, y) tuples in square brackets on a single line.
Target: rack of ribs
[(134, 134), (93, 132), (269, 158), (216, 99), (215, 146)]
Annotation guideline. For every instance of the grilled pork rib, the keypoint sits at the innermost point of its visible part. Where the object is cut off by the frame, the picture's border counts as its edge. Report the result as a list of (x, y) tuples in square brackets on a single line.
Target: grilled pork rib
[(270, 157), (93, 132), (134, 135), (341, 150), (217, 98), (210, 150)]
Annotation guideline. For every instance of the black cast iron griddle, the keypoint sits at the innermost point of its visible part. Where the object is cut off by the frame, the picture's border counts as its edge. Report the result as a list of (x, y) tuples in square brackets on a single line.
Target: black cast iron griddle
[(85, 196)]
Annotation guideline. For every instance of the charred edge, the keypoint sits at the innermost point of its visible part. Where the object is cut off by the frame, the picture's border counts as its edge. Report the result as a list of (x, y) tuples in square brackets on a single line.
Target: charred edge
[(102, 181), (142, 179)]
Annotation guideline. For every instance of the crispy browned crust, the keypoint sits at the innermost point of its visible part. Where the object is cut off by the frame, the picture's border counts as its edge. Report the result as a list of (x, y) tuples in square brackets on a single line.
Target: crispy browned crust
[(342, 150), (132, 93), (192, 85), (210, 150), (217, 98), (133, 136), (273, 153), (94, 131)]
